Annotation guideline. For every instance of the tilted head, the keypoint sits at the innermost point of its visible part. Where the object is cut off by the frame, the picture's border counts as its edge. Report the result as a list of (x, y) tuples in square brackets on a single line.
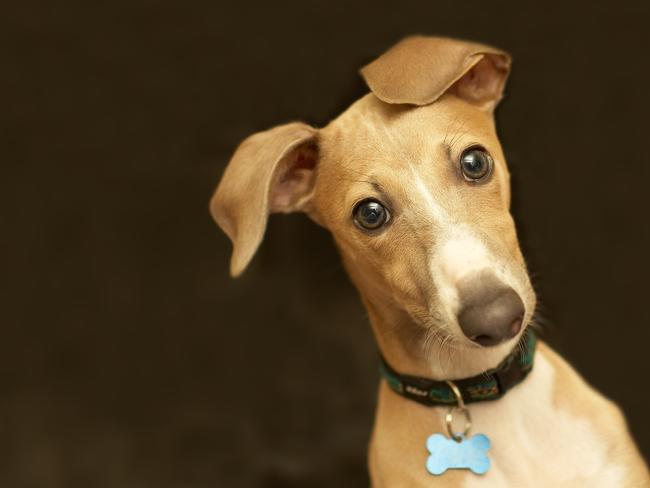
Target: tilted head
[(412, 183)]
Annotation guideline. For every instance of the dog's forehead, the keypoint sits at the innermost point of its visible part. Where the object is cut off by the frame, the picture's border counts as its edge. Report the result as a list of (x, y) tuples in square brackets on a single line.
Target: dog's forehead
[(375, 136)]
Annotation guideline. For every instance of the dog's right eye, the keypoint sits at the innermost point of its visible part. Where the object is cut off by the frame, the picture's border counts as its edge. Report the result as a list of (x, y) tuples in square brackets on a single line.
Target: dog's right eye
[(370, 214)]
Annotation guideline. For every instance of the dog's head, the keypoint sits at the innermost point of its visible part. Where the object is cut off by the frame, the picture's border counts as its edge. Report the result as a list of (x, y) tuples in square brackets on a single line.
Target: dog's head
[(413, 184)]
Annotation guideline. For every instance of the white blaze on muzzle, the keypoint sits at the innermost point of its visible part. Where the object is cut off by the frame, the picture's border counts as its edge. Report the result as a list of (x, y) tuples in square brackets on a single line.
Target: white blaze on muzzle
[(463, 254), (459, 255)]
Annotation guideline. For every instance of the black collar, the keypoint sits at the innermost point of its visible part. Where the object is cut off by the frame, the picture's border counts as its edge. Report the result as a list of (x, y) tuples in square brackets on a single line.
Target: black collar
[(490, 385)]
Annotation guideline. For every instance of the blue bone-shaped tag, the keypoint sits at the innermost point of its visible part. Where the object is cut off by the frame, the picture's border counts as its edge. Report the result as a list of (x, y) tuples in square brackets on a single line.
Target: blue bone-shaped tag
[(467, 454)]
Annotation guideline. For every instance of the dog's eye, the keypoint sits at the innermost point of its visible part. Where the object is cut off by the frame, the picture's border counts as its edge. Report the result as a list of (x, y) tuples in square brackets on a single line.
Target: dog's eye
[(476, 164), (370, 214)]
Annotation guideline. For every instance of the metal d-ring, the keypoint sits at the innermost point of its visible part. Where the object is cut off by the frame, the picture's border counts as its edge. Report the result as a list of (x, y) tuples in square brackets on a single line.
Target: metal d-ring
[(459, 407)]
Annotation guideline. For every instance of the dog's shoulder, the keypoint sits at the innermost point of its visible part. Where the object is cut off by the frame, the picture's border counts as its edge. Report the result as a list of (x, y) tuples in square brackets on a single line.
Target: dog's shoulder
[(572, 395)]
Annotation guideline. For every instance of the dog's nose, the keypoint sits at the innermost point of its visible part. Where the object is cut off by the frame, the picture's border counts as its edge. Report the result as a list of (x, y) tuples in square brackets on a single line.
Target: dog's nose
[(491, 312)]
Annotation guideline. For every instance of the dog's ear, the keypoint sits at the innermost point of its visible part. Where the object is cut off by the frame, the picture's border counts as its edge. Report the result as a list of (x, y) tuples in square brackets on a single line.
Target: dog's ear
[(271, 171), (418, 70)]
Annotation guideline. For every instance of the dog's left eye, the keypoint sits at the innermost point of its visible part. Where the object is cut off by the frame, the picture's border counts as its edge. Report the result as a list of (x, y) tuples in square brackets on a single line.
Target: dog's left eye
[(370, 214), (476, 164)]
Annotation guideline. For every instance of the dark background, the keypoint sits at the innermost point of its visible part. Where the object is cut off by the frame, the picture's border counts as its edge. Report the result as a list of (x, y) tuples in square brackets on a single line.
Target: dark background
[(128, 358)]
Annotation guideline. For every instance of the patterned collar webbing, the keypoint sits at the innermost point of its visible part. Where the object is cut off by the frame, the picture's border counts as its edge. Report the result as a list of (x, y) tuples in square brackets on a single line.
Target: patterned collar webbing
[(490, 385)]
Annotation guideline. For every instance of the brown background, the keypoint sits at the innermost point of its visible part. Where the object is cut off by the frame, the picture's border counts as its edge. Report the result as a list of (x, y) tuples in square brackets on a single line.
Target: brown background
[(128, 358)]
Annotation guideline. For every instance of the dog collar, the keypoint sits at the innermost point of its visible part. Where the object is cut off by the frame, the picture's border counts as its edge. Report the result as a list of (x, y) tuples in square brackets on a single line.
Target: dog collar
[(490, 385)]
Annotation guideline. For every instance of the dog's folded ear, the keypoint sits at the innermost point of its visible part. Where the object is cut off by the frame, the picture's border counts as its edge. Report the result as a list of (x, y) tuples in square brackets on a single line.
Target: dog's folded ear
[(271, 171), (419, 70)]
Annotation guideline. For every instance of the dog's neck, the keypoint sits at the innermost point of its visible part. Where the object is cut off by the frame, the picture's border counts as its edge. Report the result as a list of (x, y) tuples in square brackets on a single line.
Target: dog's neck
[(403, 342)]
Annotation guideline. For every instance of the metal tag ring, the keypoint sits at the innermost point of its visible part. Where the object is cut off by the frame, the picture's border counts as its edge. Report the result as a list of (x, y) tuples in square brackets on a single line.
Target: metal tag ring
[(449, 419)]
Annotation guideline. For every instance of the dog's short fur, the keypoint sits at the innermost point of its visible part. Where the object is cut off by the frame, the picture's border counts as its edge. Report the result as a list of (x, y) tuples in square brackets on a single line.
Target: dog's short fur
[(431, 98)]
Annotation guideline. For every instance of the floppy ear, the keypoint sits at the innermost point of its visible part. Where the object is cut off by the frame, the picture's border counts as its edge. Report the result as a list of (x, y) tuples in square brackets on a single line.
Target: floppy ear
[(271, 171), (418, 70)]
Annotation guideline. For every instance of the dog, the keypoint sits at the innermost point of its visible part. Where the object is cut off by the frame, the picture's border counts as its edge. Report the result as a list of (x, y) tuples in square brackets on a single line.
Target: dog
[(413, 185)]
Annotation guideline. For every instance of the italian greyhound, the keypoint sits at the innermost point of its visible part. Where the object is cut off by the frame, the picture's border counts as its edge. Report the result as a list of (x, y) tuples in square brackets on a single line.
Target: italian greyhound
[(412, 183)]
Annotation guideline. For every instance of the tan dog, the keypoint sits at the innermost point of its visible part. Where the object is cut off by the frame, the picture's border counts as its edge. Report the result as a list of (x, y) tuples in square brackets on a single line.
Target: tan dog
[(413, 185)]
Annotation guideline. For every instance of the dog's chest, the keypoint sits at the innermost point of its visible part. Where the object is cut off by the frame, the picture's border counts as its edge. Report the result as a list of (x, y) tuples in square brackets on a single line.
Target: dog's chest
[(536, 444)]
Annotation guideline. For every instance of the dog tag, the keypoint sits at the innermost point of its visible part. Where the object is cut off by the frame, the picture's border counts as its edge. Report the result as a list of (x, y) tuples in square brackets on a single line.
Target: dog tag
[(448, 453)]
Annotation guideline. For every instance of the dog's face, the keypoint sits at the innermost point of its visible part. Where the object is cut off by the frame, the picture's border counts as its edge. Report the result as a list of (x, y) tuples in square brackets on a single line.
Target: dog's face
[(418, 202), (413, 185)]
